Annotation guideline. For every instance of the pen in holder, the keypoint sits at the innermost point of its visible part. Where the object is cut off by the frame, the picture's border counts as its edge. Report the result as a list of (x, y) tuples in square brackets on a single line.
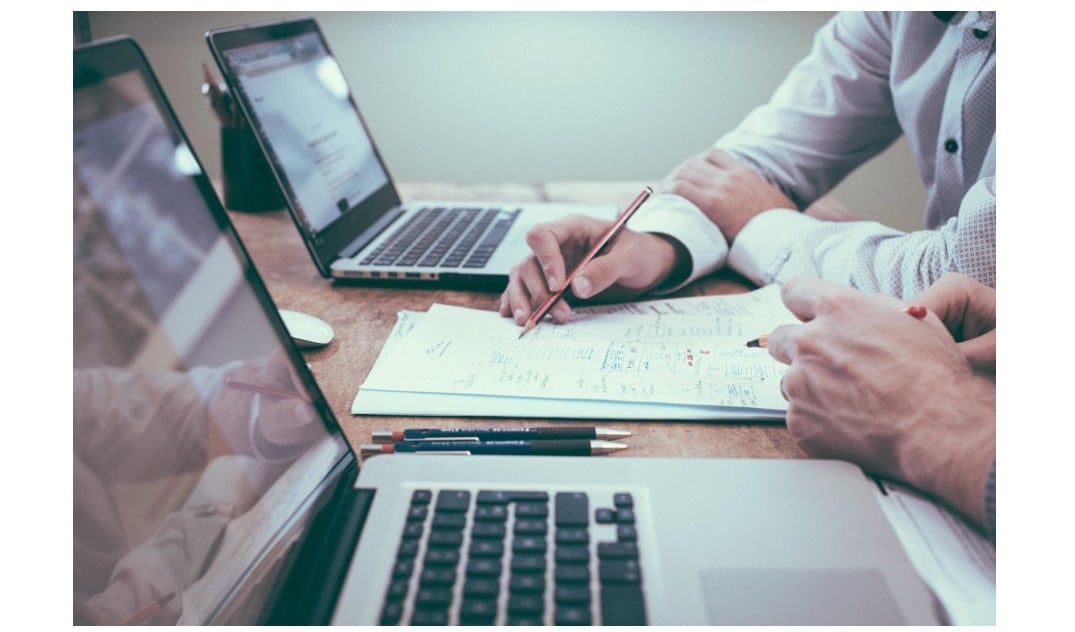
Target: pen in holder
[(249, 184)]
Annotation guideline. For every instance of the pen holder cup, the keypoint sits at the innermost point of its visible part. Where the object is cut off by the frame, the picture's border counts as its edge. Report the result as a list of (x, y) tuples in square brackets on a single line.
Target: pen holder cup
[(249, 185)]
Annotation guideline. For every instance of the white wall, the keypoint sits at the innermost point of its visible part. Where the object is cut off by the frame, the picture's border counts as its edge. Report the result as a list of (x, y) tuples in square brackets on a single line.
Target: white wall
[(526, 97)]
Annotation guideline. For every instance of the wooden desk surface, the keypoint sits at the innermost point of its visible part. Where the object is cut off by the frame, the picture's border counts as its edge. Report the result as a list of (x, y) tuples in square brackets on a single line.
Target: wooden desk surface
[(363, 316)]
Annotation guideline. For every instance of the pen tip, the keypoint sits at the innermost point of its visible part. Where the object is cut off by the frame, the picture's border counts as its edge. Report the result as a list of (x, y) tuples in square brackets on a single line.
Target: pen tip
[(526, 328), (605, 447), (612, 433)]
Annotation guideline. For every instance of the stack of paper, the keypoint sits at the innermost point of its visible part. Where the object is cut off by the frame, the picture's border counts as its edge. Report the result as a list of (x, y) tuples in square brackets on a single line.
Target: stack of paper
[(670, 359)]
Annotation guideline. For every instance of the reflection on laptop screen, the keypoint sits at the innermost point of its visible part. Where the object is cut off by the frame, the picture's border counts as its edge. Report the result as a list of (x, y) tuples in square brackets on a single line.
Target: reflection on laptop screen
[(301, 101), (184, 477)]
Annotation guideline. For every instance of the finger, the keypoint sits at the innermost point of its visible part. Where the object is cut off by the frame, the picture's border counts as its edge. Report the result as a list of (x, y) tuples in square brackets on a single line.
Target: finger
[(967, 308), (803, 295), (548, 242), (782, 343), (519, 291), (981, 352)]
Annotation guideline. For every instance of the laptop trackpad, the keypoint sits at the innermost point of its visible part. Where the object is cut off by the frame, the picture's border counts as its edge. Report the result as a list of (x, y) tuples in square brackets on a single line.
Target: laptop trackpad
[(798, 597)]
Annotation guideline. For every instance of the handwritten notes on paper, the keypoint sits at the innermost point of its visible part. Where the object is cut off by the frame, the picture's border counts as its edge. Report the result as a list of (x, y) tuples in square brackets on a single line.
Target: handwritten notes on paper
[(677, 353)]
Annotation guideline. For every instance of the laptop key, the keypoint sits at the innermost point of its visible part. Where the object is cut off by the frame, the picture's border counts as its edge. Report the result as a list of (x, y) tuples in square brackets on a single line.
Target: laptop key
[(525, 604), (572, 594), (481, 588), (572, 509), (572, 574), (619, 572), (483, 568), (430, 617), (453, 501), (477, 612), (527, 584), (391, 613), (572, 615), (487, 548), (528, 564), (622, 605), (572, 555), (617, 550), (504, 497)]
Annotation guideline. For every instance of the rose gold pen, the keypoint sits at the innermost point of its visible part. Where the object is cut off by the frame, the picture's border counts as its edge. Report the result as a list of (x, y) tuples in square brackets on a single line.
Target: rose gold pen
[(605, 240)]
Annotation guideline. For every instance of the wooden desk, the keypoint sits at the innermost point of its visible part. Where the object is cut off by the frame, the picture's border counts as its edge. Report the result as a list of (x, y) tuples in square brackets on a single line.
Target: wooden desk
[(363, 316)]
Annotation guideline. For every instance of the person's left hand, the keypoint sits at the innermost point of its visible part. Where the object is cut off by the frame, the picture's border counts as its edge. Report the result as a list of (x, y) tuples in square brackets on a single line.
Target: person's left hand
[(728, 192), (870, 384)]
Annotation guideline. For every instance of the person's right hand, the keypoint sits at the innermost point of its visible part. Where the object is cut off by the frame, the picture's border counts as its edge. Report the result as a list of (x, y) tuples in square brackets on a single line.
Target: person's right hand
[(634, 263), (969, 310)]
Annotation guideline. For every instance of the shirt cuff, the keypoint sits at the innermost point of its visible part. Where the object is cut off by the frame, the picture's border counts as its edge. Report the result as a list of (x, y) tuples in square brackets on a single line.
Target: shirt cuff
[(675, 217), (763, 246)]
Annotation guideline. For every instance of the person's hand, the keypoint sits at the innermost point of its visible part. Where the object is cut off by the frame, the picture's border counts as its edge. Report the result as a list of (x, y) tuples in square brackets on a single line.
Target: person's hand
[(969, 311), (632, 264), (286, 420), (728, 192), (869, 384)]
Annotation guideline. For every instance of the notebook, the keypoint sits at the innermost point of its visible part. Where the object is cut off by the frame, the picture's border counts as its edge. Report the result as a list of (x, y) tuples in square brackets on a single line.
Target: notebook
[(213, 484), (336, 184)]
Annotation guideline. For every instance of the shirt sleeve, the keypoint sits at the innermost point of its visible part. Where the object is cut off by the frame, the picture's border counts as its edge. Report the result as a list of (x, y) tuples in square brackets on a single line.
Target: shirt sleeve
[(675, 217), (779, 244), (833, 112)]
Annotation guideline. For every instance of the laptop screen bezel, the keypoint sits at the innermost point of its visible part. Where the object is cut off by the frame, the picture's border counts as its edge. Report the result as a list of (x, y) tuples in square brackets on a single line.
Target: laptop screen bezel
[(326, 245), (97, 62)]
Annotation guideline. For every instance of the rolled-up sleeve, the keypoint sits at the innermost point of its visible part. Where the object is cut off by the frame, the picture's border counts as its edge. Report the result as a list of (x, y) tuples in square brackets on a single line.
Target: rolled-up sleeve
[(869, 256), (675, 217)]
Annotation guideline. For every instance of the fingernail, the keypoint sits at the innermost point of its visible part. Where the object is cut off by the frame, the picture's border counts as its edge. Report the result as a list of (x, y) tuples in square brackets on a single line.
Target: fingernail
[(554, 283), (519, 315), (582, 287)]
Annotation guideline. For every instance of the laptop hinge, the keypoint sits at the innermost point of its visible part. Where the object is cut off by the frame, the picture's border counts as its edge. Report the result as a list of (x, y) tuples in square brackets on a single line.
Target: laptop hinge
[(308, 595)]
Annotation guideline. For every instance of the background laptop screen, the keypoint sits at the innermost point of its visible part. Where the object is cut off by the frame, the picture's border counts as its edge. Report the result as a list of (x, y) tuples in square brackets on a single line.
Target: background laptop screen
[(184, 478), (300, 100)]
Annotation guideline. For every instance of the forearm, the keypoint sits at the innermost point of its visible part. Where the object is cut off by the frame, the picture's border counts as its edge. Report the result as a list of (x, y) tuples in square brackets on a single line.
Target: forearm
[(833, 112), (780, 244)]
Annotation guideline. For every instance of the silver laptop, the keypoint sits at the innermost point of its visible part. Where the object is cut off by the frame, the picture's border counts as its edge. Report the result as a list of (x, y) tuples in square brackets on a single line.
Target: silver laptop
[(336, 184), (213, 484)]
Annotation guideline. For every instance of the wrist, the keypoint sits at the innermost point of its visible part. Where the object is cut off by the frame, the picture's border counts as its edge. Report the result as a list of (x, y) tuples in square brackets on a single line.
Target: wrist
[(675, 262), (963, 451)]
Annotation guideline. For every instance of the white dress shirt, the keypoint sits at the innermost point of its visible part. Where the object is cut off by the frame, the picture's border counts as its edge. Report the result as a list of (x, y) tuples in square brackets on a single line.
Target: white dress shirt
[(869, 78)]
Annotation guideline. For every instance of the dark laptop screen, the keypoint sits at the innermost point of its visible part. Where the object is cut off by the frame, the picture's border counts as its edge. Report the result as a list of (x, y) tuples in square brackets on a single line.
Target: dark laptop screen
[(199, 435)]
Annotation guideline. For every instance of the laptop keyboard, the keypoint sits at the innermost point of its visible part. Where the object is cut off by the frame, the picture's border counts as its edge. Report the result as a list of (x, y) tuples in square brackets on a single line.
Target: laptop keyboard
[(445, 237), (516, 558)]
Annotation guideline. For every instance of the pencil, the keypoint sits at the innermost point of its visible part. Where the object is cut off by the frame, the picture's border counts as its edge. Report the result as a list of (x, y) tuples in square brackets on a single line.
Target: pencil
[(566, 447), (915, 311), (759, 343), (605, 240), (148, 611), (497, 434), (249, 387)]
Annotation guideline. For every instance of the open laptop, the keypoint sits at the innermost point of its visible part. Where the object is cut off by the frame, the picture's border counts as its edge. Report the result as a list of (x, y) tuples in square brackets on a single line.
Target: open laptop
[(213, 484), (336, 184)]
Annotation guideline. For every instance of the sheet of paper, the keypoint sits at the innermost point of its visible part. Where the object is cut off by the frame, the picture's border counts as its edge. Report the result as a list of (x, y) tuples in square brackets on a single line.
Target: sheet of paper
[(687, 352), (953, 559)]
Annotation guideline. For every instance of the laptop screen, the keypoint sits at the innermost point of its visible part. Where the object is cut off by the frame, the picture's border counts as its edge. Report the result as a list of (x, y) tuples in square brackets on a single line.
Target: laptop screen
[(200, 438), (297, 99)]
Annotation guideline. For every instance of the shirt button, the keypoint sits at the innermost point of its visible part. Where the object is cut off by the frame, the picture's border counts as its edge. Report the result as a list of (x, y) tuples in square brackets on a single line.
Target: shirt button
[(980, 34), (951, 146)]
